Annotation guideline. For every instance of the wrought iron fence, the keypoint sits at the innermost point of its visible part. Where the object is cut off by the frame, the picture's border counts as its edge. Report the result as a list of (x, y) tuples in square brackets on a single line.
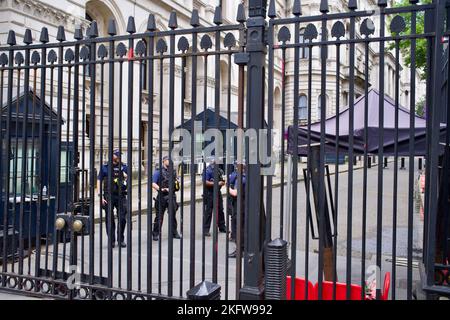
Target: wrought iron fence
[(69, 107)]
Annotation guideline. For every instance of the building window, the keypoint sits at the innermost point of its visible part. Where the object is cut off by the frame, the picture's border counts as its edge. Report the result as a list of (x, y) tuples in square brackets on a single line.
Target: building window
[(304, 51), (32, 172), (303, 108)]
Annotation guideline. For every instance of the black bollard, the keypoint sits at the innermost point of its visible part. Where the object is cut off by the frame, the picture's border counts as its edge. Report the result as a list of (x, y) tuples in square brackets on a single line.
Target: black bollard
[(204, 291), (276, 270), (369, 160), (402, 164), (420, 164), (385, 163)]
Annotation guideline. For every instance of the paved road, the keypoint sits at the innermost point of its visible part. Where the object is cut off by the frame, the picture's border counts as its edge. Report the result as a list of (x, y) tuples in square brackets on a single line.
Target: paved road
[(158, 270)]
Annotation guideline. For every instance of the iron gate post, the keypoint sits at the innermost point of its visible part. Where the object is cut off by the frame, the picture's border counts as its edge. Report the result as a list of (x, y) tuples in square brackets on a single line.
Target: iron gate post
[(253, 288)]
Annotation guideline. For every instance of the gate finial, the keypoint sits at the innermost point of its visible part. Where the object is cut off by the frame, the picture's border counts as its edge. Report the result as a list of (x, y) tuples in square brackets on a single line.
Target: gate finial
[(195, 20), (353, 4), (297, 9), (240, 17), (218, 16), (324, 6), (173, 23), (11, 38), (44, 35), (382, 3), (112, 30), (151, 24), (272, 10), (131, 26), (61, 35), (28, 38), (78, 33), (93, 30)]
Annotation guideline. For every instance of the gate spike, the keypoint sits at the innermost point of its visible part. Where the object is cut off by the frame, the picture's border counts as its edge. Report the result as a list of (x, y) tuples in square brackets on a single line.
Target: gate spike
[(78, 33), (173, 23), (151, 23), (272, 10), (353, 4), (131, 26), (28, 38), (218, 16), (93, 30), (112, 30), (11, 38), (241, 18), (324, 6), (61, 35), (195, 20), (382, 3), (297, 8), (44, 35)]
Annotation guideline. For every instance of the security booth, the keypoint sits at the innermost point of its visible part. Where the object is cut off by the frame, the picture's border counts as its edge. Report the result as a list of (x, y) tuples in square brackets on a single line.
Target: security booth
[(207, 120), (29, 164)]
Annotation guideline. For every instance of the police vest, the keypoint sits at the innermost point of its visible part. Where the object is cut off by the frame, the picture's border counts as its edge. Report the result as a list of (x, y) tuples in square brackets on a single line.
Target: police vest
[(118, 181), (164, 179)]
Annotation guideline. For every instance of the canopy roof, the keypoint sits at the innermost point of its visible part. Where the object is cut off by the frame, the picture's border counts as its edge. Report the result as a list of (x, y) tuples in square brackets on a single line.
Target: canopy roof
[(374, 131)]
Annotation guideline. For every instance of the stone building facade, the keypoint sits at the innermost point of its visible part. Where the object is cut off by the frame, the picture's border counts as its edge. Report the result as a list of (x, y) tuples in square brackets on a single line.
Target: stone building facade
[(35, 14)]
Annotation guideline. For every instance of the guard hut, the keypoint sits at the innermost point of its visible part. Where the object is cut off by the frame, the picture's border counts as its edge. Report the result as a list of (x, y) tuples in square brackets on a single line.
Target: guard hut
[(207, 120), (21, 125)]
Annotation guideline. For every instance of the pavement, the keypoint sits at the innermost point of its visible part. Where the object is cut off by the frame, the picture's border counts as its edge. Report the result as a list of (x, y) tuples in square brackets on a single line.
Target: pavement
[(153, 261)]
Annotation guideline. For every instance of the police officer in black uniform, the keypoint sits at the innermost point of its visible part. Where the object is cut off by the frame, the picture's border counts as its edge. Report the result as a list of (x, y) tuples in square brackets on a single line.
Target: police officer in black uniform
[(160, 183), (234, 190), (118, 194), (208, 199)]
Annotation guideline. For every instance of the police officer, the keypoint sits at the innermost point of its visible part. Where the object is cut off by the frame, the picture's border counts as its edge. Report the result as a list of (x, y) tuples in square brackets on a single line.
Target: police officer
[(208, 199), (116, 197), (160, 183), (234, 190)]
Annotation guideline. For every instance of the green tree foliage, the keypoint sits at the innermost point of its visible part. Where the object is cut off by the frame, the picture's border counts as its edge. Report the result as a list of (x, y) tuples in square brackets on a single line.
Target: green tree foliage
[(421, 44)]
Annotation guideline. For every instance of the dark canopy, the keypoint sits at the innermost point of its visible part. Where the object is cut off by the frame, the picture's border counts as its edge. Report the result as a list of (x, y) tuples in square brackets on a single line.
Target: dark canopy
[(210, 122), (373, 130)]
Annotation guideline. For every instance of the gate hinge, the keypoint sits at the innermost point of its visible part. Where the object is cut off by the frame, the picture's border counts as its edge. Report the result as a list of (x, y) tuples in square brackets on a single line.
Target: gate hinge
[(241, 58)]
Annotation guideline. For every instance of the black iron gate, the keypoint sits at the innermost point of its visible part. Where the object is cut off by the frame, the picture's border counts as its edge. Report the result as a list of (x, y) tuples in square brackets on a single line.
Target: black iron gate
[(69, 107)]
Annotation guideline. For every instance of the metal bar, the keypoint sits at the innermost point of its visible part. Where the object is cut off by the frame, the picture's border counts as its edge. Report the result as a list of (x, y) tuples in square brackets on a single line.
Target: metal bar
[(150, 88), (308, 217), (92, 178), (129, 173), (367, 163), (295, 161), (109, 212), (351, 140), (283, 146), (395, 186), (380, 143), (216, 189), (192, 256), (336, 168), (24, 162), (171, 207), (140, 139), (411, 181)]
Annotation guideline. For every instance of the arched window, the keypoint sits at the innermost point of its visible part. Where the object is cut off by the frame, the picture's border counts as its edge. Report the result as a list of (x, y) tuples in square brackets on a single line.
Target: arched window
[(304, 51), (303, 107)]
